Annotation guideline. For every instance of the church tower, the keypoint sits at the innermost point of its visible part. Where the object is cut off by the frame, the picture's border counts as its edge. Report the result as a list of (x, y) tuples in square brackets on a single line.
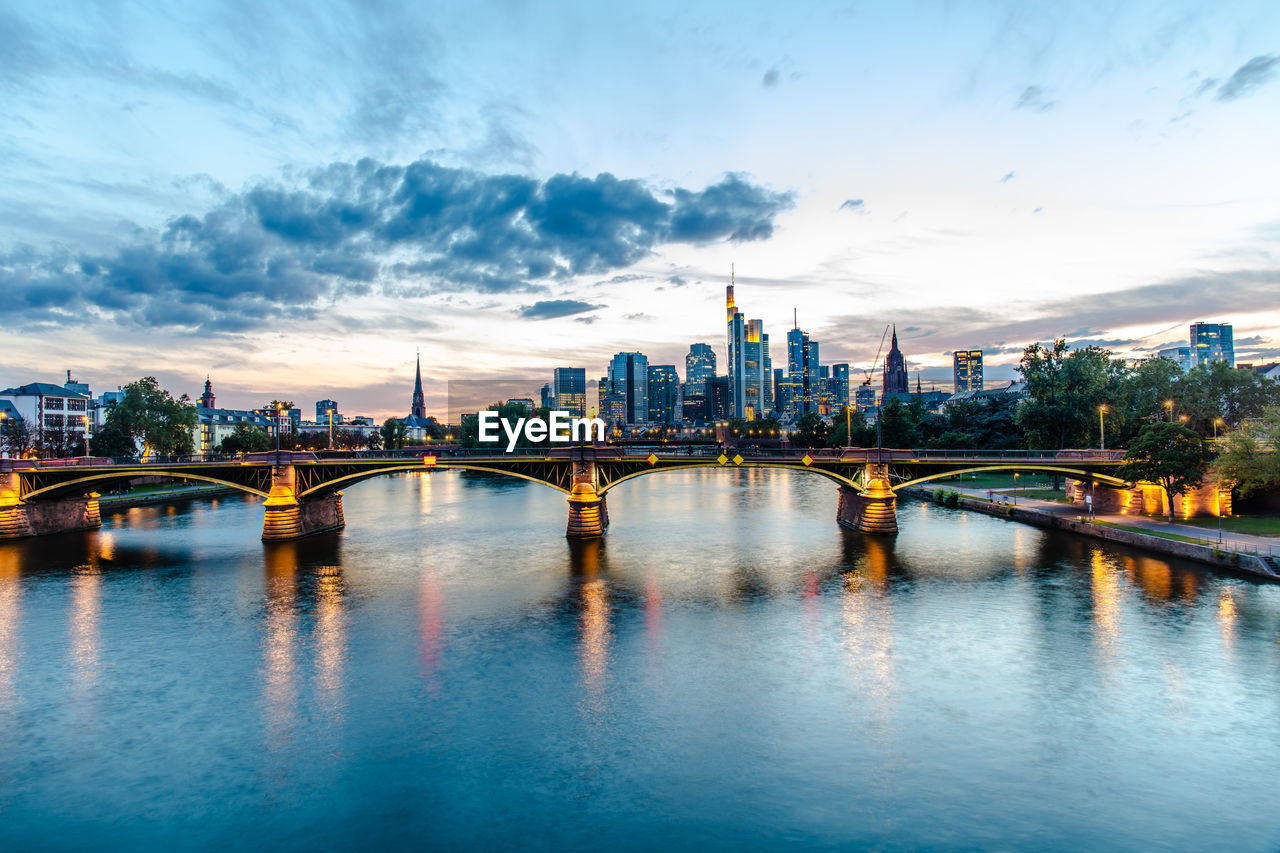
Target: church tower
[(207, 399), (895, 369), (419, 407)]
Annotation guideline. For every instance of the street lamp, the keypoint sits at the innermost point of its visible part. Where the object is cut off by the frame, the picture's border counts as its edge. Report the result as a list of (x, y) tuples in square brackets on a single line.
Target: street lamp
[(1015, 488), (1169, 405), (279, 409), (85, 418), (1102, 425), (330, 411), (1216, 421)]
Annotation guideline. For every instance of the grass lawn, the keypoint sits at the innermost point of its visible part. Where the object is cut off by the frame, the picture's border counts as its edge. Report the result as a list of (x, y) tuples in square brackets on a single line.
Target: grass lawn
[(1250, 525), (1159, 533), (1040, 495), (994, 480)]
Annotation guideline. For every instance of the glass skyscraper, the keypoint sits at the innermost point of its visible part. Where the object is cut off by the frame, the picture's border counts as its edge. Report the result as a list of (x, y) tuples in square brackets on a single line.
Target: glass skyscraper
[(664, 385), (629, 378), (1212, 342), (699, 366), (569, 390), (749, 366), (967, 370)]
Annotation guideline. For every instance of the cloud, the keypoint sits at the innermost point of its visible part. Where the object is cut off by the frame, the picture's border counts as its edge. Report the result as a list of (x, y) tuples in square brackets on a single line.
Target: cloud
[(771, 78), (1008, 176), (553, 308), (1251, 75), (1033, 98), (292, 249), (855, 204)]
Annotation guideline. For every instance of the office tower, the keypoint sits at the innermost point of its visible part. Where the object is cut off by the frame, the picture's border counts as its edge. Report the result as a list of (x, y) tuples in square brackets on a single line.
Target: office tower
[(803, 373), (1212, 342), (750, 369), (967, 370), (1180, 355), (569, 390), (693, 407), (840, 386), (629, 377), (664, 385), (547, 397), (895, 369), (864, 399), (323, 407), (719, 399), (699, 366)]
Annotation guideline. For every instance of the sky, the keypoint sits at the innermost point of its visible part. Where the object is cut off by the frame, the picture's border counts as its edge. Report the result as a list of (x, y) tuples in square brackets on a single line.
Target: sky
[(296, 199)]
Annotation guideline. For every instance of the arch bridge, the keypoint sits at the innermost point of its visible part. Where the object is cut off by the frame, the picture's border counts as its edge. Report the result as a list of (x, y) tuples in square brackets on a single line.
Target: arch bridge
[(303, 492)]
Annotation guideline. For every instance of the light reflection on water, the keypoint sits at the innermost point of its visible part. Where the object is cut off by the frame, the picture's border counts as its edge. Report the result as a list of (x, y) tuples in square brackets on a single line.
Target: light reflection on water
[(725, 667)]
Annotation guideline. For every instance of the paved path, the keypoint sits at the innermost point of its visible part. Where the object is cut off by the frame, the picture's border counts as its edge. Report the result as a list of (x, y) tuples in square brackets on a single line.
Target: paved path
[(1234, 541)]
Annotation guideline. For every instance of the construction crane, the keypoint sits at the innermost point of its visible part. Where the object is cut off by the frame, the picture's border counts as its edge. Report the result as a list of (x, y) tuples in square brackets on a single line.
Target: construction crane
[(870, 370)]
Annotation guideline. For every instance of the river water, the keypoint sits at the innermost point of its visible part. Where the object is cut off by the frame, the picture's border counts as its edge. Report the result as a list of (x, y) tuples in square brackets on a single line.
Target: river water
[(727, 669)]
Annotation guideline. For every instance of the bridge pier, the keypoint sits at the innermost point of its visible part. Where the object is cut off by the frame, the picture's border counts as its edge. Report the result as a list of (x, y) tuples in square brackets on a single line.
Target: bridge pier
[(874, 510), (588, 513), (287, 517), (19, 518)]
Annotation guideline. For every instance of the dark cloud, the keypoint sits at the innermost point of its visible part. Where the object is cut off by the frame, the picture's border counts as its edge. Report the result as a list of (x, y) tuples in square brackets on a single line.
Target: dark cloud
[(771, 78), (1248, 77), (552, 308), (282, 250), (1034, 98), (853, 204)]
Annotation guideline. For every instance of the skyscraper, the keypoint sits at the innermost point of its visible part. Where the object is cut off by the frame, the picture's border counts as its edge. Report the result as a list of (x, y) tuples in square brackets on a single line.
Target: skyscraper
[(840, 382), (569, 390), (750, 370), (418, 406), (802, 373), (1180, 355), (895, 369), (699, 366), (629, 378), (664, 385), (1212, 342), (967, 370)]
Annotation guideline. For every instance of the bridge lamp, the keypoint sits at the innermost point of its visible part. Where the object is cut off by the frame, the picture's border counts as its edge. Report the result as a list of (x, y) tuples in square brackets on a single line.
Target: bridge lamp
[(330, 411)]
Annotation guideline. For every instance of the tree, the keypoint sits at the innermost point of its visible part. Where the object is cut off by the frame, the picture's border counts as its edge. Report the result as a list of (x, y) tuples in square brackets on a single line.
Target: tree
[(61, 442), (1064, 390), (1217, 390), (19, 438), (149, 414), (1169, 455), (1250, 458), (112, 441), (246, 438), (1142, 398), (811, 431), (897, 426), (394, 433), (863, 435)]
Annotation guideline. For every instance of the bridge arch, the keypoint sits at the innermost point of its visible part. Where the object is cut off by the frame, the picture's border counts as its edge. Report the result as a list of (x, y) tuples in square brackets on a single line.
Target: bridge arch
[(334, 485), (81, 485), (1057, 469), (746, 463)]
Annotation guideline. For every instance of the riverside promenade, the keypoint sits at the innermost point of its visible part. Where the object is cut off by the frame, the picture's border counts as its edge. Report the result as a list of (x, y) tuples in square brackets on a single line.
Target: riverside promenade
[(1254, 555)]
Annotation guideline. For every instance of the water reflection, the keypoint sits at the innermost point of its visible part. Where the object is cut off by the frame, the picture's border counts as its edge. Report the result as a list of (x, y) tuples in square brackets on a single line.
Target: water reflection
[(10, 626), (594, 636), (430, 629), (280, 643)]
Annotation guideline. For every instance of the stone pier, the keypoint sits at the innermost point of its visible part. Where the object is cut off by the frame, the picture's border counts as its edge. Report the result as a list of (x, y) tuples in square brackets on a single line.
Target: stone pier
[(872, 511), (20, 518), (588, 510), (288, 517)]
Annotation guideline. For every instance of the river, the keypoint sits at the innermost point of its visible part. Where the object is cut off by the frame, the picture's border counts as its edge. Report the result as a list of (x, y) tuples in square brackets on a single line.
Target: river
[(727, 668)]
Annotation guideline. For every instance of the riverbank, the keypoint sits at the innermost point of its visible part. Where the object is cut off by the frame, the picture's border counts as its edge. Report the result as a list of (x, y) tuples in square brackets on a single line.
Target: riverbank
[(158, 496), (1230, 555)]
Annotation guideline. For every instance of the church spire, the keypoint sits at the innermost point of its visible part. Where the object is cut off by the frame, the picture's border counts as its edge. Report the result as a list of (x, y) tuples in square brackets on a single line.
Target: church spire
[(419, 407)]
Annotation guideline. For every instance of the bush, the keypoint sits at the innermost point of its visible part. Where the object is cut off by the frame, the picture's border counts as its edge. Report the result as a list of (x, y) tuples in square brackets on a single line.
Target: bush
[(953, 499), (939, 495)]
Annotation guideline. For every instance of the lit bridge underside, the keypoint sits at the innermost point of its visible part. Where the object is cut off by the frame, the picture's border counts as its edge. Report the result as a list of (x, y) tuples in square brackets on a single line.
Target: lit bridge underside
[(303, 494)]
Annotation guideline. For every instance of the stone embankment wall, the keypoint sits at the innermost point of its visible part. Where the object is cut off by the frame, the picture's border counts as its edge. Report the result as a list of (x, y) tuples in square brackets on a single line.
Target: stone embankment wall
[(1246, 563)]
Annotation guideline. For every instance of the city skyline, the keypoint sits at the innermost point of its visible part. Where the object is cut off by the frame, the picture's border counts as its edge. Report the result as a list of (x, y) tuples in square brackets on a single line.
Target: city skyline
[(983, 178)]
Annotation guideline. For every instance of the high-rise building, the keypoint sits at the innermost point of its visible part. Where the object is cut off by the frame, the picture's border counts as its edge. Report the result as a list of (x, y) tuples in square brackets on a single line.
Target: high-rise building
[(803, 373), (547, 397), (629, 377), (864, 399), (718, 399), (895, 369), (569, 390), (418, 407), (323, 407), (1212, 342), (1180, 355), (840, 386), (750, 370), (967, 370), (664, 385), (699, 366)]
